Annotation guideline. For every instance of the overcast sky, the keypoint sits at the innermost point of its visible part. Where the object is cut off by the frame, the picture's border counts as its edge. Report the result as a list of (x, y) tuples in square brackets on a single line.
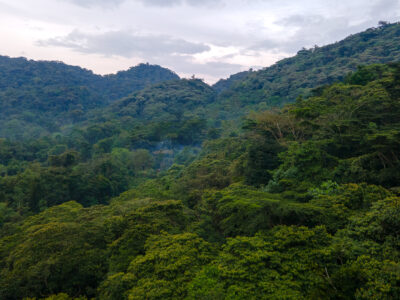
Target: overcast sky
[(209, 38)]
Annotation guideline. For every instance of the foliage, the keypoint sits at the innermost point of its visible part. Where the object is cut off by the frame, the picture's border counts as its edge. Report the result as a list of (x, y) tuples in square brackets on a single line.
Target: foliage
[(156, 196), (38, 97), (311, 68), (349, 133)]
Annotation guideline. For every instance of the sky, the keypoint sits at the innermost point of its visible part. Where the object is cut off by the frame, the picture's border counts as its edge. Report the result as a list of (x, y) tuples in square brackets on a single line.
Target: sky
[(210, 39)]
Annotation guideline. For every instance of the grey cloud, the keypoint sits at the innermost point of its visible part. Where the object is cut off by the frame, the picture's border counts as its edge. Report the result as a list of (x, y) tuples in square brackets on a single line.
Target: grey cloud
[(164, 3), (212, 71), (309, 30), (312, 28), (125, 44), (164, 50), (214, 68), (160, 2), (301, 20), (90, 3), (167, 3), (266, 44), (386, 9)]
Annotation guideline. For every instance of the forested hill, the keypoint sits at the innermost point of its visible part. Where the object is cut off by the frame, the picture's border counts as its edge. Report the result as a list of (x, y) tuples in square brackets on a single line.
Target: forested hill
[(189, 111), (173, 101), (37, 97), (141, 185), (161, 117), (304, 204), (284, 81), (224, 84), (123, 83)]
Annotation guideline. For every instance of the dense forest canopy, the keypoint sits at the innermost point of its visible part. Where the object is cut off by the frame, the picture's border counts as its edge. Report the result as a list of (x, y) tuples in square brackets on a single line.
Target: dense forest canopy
[(284, 81), (40, 97), (167, 188)]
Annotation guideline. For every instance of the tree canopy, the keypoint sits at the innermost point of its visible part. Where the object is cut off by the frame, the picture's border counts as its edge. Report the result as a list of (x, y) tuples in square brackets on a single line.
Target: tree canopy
[(164, 194)]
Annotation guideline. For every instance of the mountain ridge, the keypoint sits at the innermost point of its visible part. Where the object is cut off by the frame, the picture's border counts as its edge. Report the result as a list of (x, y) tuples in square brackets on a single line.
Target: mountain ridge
[(174, 191), (43, 96), (291, 77)]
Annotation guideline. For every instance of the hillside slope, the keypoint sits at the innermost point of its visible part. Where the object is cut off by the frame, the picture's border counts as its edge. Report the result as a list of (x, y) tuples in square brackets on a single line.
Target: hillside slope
[(172, 112), (37, 97), (289, 78), (303, 205)]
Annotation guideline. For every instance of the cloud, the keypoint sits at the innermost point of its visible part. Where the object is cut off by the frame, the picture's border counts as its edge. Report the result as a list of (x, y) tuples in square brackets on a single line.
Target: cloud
[(160, 2), (214, 68), (163, 3), (177, 54), (239, 32), (385, 9), (307, 30), (211, 71), (301, 20), (91, 3), (179, 2), (125, 44)]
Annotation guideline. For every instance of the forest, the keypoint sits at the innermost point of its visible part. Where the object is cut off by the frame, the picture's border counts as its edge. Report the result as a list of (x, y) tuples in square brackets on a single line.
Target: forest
[(281, 183)]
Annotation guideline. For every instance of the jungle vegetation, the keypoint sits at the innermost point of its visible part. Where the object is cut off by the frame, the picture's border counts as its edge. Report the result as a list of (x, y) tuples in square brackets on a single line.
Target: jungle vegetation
[(172, 189)]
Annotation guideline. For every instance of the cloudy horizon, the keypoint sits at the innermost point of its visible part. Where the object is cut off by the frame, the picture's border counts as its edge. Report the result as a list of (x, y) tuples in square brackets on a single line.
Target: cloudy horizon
[(211, 39)]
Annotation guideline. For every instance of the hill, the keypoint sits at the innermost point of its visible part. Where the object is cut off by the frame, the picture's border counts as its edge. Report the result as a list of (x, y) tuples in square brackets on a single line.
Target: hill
[(224, 84), (289, 78), (304, 204), (125, 187), (161, 117), (38, 97), (171, 100)]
